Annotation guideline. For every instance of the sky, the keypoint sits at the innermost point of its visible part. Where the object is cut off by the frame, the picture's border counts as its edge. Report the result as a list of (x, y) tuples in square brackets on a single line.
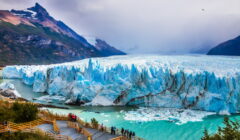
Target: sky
[(147, 26)]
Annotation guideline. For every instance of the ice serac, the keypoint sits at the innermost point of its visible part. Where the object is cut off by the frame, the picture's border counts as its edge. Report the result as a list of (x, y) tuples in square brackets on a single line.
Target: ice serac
[(209, 83)]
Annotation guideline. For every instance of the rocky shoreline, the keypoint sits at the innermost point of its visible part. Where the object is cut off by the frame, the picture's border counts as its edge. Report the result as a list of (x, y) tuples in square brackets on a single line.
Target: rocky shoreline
[(7, 90)]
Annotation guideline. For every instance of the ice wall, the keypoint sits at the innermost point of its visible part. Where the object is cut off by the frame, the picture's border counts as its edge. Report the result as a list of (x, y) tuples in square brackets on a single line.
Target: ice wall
[(209, 83)]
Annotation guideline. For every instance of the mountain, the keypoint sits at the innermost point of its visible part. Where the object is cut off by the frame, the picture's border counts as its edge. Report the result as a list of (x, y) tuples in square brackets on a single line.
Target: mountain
[(32, 36), (106, 49), (230, 47)]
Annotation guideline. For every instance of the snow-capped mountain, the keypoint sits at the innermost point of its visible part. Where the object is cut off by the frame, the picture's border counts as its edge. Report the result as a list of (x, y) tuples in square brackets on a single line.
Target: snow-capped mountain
[(104, 47), (32, 36)]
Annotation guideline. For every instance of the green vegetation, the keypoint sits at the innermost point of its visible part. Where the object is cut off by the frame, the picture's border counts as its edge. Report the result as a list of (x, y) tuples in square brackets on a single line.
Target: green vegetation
[(231, 131), (94, 123), (24, 136), (24, 44), (18, 112)]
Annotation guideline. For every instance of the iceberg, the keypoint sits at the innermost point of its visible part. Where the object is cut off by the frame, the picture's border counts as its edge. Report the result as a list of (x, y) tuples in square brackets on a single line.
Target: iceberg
[(8, 90), (199, 82)]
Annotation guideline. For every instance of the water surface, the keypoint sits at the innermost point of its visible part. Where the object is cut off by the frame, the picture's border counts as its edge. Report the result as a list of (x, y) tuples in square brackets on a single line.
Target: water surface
[(150, 130)]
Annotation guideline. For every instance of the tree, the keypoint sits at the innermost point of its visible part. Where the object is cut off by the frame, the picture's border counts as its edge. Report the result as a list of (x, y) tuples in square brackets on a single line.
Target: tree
[(25, 112), (231, 131), (206, 135), (94, 123)]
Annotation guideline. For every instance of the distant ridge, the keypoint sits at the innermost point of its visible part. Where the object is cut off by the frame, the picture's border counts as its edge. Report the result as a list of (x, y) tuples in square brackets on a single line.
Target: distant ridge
[(230, 47)]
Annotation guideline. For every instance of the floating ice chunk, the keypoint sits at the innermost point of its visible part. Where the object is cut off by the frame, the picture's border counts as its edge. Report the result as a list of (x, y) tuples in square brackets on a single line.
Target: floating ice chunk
[(49, 98), (8, 89), (178, 116)]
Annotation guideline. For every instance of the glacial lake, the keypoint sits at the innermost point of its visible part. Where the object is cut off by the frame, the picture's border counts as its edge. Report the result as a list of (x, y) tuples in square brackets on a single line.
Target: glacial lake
[(148, 129)]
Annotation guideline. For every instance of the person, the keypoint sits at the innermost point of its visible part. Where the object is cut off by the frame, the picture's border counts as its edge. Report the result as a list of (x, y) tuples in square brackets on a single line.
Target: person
[(122, 131), (70, 116), (111, 130), (74, 118), (101, 127), (130, 134), (133, 135), (5, 123), (114, 130), (126, 133)]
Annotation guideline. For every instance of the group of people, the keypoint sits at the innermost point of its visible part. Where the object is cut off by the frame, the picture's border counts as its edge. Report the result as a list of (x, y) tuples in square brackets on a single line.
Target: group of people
[(127, 133), (72, 117), (124, 132)]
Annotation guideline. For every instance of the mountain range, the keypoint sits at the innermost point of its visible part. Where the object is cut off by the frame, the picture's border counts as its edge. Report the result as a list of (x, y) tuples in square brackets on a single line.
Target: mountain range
[(32, 36), (230, 47)]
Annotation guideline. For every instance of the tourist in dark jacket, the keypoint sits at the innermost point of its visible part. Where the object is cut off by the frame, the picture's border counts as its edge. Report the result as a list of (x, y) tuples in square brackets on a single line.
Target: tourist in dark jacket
[(130, 134), (126, 133), (111, 130), (133, 135), (122, 131), (114, 130)]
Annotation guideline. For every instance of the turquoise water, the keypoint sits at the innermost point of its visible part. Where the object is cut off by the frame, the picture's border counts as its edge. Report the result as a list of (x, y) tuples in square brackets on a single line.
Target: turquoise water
[(151, 130)]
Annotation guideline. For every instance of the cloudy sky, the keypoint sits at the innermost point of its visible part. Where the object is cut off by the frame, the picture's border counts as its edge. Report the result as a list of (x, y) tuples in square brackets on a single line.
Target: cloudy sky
[(147, 26)]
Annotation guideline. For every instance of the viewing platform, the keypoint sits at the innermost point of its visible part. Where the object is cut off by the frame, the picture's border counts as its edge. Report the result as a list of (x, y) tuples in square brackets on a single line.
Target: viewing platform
[(61, 127)]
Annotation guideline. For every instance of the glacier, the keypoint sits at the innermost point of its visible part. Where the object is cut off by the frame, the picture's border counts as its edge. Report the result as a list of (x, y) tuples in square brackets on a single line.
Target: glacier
[(199, 82)]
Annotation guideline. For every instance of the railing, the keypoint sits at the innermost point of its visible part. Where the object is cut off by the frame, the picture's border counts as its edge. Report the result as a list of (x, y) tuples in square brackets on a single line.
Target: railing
[(55, 126), (30, 127), (84, 124), (50, 116), (21, 126), (81, 122), (13, 127), (120, 138), (3, 128), (79, 129), (51, 135)]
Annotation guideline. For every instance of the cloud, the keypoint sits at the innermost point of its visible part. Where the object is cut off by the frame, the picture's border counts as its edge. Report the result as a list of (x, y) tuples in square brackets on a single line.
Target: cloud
[(147, 26)]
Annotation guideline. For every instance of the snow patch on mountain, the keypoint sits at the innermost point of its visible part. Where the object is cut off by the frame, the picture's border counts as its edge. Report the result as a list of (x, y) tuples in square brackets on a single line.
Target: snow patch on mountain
[(91, 40)]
